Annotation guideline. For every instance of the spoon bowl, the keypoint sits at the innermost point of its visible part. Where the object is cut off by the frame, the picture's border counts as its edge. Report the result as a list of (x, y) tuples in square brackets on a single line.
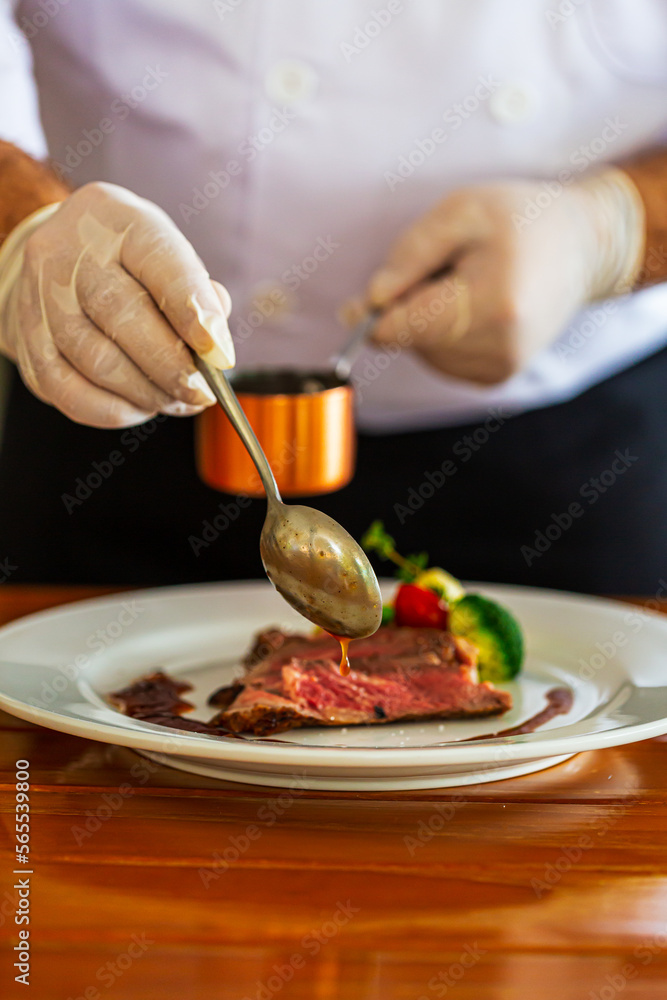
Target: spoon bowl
[(317, 566)]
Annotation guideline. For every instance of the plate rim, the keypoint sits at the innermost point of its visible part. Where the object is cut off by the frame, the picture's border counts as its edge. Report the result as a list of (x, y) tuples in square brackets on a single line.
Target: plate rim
[(526, 746)]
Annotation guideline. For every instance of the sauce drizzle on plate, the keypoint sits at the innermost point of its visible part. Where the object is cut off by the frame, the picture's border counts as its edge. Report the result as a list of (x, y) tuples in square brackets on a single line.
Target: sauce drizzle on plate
[(559, 702)]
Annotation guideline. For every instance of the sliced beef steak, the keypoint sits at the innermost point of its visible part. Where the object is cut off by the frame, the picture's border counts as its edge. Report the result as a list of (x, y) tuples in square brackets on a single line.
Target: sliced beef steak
[(398, 673)]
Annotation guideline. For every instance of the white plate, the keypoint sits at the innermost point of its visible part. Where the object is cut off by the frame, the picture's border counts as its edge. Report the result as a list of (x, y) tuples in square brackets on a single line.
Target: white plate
[(58, 665)]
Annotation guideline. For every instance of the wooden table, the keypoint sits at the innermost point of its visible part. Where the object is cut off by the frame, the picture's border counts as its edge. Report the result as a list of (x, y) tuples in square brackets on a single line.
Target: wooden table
[(552, 885)]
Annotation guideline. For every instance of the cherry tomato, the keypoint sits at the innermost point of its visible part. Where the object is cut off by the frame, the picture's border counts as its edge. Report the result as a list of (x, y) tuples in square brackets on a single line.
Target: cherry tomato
[(420, 608)]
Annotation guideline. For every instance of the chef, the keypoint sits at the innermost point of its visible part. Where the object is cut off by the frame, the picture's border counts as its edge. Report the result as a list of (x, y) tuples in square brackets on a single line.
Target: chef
[(238, 177)]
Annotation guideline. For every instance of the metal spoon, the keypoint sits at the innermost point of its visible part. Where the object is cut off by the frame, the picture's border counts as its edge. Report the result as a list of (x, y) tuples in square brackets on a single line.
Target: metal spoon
[(309, 558), (343, 360)]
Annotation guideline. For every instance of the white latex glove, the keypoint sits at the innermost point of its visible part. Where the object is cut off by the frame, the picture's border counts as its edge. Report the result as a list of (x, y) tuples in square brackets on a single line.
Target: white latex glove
[(515, 277), (99, 295)]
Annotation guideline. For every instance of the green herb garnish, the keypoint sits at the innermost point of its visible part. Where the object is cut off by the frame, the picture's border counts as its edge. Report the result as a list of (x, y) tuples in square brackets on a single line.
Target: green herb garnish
[(377, 540)]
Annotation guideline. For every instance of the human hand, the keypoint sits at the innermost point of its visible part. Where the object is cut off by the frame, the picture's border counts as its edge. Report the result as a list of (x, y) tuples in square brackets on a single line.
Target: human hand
[(508, 284), (100, 298)]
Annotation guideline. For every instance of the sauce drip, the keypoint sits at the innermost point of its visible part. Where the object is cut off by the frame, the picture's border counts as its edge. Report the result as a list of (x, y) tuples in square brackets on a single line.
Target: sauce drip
[(559, 702), (344, 658)]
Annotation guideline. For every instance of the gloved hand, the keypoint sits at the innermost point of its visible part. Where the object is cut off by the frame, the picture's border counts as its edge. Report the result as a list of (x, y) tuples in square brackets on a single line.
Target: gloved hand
[(99, 295), (516, 272)]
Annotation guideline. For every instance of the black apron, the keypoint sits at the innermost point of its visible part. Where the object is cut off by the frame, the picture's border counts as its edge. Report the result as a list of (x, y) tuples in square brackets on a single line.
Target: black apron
[(572, 496)]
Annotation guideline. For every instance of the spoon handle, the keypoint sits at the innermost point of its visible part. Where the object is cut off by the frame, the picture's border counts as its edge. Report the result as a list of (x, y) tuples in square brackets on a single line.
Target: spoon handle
[(342, 361), (225, 395)]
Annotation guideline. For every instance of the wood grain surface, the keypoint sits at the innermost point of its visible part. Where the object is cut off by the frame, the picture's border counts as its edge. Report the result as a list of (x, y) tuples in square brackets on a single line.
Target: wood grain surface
[(150, 883)]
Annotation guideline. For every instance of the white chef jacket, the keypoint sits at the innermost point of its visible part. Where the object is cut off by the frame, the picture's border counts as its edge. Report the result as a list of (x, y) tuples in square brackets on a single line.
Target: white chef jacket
[(292, 141)]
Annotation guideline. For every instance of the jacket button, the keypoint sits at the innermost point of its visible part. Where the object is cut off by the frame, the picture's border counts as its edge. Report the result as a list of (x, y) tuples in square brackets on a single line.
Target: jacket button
[(290, 81), (514, 103)]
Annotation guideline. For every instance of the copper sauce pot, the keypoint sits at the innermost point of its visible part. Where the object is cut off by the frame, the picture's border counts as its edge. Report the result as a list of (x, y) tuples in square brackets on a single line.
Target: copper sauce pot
[(304, 422)]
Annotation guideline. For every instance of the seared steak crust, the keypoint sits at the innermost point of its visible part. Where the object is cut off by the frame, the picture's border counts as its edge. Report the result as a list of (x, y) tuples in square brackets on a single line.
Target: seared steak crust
[(397, 674)]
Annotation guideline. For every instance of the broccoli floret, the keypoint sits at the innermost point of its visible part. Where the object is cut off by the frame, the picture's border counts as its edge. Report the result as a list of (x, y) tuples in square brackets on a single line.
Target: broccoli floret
[(495, 632)]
